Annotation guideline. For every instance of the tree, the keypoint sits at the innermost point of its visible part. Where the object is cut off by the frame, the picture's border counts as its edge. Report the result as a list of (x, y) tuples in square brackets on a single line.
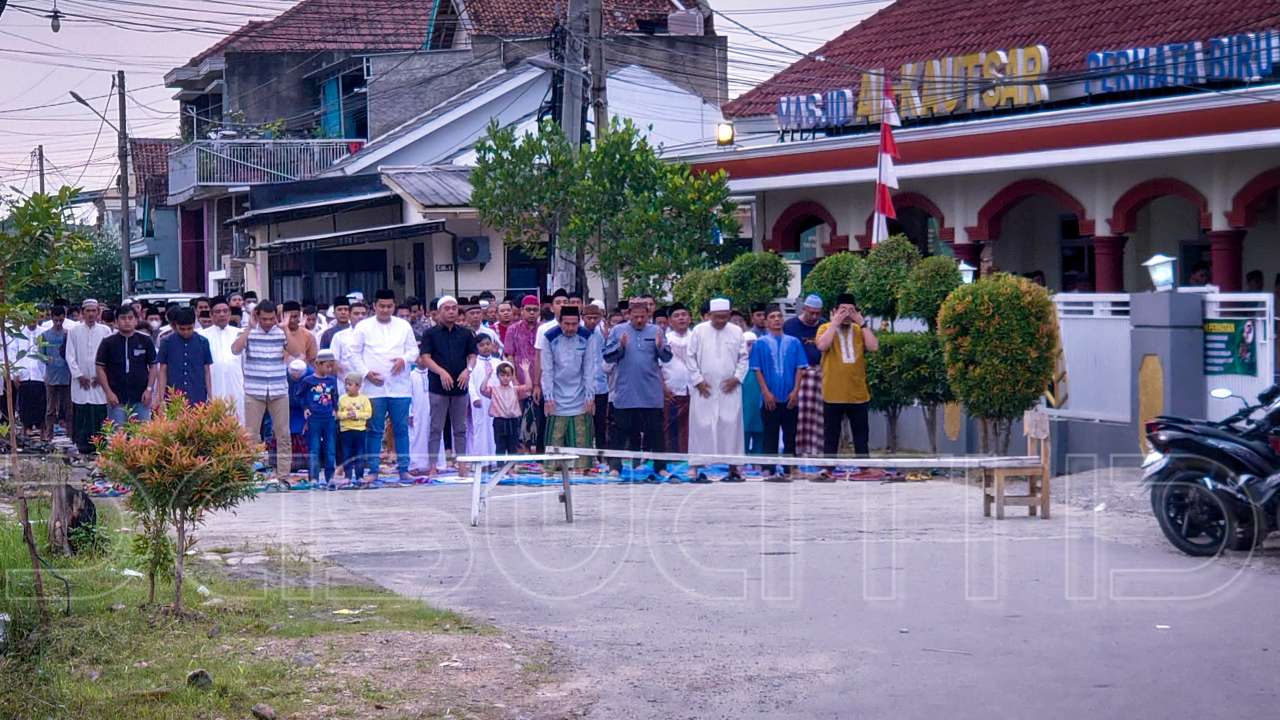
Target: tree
[(877, 281), (831, 276), (38, 247), (181, 465), (522, 184), (999, 336), (926, 287), (679, 228), (756, 277)]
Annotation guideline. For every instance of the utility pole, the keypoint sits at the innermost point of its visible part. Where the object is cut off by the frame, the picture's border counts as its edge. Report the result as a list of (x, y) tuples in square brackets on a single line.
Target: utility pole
[(576, 27), (126, 263), (599, 99), (40, 156)]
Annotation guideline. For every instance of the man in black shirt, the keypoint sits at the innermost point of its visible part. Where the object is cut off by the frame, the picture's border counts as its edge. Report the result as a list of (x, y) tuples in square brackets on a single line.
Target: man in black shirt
[(126, 369), (449, 351)]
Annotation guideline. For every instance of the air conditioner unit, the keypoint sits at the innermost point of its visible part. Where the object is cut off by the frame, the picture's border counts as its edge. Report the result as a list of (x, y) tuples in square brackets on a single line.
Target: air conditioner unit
[(473, 250)]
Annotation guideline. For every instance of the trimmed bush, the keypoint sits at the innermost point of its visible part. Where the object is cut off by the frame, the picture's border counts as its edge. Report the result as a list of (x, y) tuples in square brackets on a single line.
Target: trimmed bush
[(756, 277), (877, 281), (927, 286), (908, 369), (999, 336), (830, 277), (697, 287)]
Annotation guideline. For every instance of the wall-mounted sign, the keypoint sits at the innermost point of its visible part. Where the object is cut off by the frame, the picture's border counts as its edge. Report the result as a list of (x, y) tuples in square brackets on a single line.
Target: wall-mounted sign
[(941, 87), (1230, 347), (1244, 57), (445, 267)]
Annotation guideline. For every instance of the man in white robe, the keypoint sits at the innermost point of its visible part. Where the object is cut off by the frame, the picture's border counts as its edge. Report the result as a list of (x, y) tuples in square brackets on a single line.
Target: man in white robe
[(227, 371), (420, 425), (717, 363), (88, 398)]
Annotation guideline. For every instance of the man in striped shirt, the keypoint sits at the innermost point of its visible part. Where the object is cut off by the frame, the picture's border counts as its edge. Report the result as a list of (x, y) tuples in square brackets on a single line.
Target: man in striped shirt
[(265, 344)]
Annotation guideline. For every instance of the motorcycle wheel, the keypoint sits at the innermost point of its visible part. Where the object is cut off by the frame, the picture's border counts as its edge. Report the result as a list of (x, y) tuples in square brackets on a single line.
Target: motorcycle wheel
[(1192, 518)]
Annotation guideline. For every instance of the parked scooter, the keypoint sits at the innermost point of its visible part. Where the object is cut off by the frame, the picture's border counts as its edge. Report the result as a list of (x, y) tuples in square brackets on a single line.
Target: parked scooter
[(1215, 486)]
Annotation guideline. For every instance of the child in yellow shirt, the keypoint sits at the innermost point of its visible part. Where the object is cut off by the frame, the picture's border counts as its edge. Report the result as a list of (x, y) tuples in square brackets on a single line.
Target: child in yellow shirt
[(354, 411)]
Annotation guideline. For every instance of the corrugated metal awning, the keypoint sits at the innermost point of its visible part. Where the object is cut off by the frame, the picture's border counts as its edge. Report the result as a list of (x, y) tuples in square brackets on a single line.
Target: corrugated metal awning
[(433, 186)]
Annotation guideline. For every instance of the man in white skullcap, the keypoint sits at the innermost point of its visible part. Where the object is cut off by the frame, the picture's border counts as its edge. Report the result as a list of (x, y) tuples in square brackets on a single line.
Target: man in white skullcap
[(717, 363), (88, 398)]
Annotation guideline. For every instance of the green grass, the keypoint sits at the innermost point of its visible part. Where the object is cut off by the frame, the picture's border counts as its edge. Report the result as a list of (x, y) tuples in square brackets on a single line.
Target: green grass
[(105, 661)]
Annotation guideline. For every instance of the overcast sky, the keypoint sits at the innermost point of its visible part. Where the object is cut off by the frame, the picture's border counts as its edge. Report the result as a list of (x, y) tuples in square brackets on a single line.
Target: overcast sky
[(146, 38)]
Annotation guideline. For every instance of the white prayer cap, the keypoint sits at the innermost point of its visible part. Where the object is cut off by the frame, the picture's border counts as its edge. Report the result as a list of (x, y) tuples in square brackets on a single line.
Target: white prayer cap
[(749, 336), (720, 305), (355, 295), (446, 300), (89, 303), (598, 303), (297, 366), (484, 303)]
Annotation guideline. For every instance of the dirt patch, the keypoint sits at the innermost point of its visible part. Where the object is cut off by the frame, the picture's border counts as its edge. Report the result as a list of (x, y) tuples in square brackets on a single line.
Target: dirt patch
[(405, 674)]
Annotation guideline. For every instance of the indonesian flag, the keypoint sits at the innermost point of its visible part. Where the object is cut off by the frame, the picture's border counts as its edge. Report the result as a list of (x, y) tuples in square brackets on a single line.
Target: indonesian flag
[(886, 175)]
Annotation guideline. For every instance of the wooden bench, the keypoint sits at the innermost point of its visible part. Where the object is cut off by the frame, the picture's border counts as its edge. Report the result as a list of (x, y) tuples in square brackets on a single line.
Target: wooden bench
[(1034, 467)]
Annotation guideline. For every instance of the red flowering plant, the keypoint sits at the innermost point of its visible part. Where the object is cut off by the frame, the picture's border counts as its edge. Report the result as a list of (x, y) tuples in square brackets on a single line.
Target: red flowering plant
[(183, 463)]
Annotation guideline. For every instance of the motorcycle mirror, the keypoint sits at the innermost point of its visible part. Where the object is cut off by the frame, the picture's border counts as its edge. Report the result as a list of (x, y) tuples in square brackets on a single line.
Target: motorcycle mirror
[(1220, 393)]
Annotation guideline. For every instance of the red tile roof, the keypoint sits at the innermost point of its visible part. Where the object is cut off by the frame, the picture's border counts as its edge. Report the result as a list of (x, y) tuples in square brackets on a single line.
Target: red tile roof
[(390, 25), (149, 158), (916, 30)]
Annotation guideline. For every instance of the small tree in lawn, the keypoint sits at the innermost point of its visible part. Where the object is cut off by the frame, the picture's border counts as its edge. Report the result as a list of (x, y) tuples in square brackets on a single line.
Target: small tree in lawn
[(182, 464), (756, 277), (877, 281), (831, 276), (886, 379), (39, 247), (999, 336), (926, 287), (921, 296)]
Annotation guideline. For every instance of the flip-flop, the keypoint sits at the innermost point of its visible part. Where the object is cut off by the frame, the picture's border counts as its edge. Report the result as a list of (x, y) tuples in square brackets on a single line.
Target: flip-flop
[(702, 479), (732, 478), (823, 476), (777, 479)]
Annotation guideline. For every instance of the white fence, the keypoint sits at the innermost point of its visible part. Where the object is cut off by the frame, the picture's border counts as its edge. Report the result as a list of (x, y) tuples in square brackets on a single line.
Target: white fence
[(1260, 309), (1096, 341), (251, 162)]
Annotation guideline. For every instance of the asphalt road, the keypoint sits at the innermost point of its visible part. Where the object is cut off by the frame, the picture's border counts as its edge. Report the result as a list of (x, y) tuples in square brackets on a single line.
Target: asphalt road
[(821, 601)]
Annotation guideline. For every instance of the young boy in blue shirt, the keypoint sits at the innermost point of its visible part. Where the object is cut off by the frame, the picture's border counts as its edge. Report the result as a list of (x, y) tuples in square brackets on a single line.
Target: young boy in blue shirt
[(777, 361), (320, 404)]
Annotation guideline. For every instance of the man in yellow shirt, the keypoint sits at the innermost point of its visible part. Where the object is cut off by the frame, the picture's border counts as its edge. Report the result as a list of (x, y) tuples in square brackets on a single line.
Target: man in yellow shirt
[(844, 343)]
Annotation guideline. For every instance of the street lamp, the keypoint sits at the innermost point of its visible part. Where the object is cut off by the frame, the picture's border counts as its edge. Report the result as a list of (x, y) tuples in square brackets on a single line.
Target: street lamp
[(122, 178), (724, 134), (966, 272), (1161, 269), (76, 96), (55, 17)]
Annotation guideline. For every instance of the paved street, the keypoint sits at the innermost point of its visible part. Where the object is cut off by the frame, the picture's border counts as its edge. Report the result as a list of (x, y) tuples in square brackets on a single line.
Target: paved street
[(819, 601)]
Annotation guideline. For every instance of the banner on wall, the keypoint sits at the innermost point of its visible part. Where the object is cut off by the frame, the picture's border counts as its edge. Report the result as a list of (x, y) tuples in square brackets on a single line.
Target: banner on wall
[(1230, 347)]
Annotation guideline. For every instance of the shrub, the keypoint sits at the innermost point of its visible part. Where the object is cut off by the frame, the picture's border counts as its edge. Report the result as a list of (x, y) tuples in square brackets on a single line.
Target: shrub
[(927, 285), (830, 277), (876, 281), (908, 369), (182, 464), (756, 277), (697, 287), (999, 336)]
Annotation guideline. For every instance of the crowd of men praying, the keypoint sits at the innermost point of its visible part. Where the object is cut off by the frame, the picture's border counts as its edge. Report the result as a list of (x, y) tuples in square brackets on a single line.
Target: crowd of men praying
[(335, 390)]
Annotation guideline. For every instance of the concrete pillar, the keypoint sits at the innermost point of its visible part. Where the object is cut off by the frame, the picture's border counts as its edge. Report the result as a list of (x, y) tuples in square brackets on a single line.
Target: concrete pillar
[(1167, 352), (1226, 249), (970, 253), (1108, 263)]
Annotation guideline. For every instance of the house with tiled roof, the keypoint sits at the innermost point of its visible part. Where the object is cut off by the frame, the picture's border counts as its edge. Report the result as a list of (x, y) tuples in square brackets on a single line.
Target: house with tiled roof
[(287, 99), (1070, 141), (154, 247)]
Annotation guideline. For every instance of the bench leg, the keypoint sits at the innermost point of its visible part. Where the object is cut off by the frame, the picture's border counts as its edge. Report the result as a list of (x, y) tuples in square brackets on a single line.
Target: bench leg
[(568, 491), (1033, 490), (985, 479), (999, 482), (1044, 496)]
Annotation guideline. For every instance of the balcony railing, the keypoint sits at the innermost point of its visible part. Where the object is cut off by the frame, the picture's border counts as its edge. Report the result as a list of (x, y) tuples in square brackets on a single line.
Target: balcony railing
[(251, 162)]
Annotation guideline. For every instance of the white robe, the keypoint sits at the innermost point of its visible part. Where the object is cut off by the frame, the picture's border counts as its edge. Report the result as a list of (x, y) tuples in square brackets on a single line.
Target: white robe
[(713, 356), (480, 429), (420, 413), (227, 370), (82, 358)]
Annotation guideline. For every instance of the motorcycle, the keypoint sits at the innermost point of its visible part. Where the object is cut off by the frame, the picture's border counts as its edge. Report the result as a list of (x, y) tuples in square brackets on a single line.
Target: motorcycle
[(1215, 485)]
